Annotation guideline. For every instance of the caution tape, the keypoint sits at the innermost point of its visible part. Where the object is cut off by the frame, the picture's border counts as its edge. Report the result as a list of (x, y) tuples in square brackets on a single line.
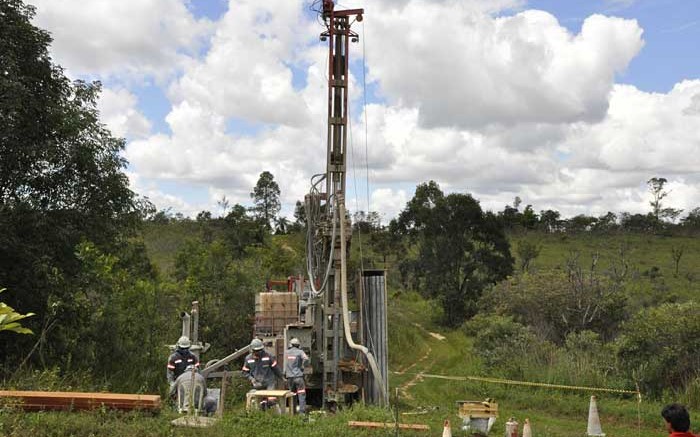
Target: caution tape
[(525, 383)]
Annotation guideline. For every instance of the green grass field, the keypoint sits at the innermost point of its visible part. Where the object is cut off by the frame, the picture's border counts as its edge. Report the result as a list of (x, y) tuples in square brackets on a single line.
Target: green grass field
[(651, 274)]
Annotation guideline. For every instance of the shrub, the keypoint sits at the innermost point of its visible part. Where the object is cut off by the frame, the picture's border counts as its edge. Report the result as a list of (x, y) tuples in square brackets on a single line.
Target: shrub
[(660, 347), (555, 304), (501, 342)]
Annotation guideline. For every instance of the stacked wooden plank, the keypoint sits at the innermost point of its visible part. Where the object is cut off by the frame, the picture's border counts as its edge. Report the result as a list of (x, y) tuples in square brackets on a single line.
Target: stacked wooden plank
[(274, 311), (48, 400), (383, 425)]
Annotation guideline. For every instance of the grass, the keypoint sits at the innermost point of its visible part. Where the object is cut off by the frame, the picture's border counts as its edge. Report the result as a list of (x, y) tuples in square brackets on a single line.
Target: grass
[(651, 274), (553, 413)]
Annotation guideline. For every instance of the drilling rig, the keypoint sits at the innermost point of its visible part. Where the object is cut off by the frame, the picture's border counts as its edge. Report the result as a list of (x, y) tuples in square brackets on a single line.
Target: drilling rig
[(341, 326), (341, 319)]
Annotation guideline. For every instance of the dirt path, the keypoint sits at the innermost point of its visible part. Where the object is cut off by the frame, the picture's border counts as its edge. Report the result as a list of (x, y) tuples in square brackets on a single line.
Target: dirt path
[(421, 365)]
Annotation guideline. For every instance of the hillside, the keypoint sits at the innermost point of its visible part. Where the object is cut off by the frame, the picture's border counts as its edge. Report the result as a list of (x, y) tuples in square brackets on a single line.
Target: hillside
[(418, 344), (651, 267)]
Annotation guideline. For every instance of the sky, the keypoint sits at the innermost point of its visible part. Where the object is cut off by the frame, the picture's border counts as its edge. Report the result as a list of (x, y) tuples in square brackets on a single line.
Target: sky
[(569, 104)]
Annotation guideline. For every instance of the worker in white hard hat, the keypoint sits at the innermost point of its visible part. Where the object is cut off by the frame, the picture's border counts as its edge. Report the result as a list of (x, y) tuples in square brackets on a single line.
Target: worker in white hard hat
[(295, 361), (179, 360), (262, 370)]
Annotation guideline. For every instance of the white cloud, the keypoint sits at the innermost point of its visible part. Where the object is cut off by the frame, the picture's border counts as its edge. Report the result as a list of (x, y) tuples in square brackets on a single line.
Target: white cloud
[(246, 73), (118, 110), (388, 202), (494, 106), (132, 37), (479, 70), (163, 201), (647, 132)]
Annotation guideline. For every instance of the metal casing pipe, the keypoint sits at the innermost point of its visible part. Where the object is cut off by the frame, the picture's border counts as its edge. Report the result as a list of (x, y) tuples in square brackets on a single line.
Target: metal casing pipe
[(374, 309)]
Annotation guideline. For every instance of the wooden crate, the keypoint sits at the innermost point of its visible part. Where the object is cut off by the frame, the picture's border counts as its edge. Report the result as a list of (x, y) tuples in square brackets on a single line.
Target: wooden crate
[(278, 304), (477, 409)]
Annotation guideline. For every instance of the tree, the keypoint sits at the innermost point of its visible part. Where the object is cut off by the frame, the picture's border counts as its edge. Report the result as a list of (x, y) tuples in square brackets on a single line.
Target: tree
[(638, 222), (204, 216), (550, 220), (677, 254), (510, 216), (529, 218), (366, 223), (461, 249), (242, 231), (62, 177), (527, 252), (281, 225), (300, 214), (692, 220), (266, 196), (580, 223), (656, 188), (224, 204), (605, 223)]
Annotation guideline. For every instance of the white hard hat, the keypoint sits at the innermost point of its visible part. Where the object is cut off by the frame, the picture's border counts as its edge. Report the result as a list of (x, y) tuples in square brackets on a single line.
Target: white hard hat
[(183, 342), (295, 342), (257, 344)]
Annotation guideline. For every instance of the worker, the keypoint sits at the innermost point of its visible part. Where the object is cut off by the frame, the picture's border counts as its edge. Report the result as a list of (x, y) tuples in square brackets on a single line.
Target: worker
[(677, 420), (179, 360), (295, 362), (262, 370), (192, 386)]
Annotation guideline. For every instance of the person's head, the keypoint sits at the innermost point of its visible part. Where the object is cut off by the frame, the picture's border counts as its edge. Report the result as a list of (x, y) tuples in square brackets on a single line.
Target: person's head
[(676, 417), (294, 342), (183, 343), (257, 346)]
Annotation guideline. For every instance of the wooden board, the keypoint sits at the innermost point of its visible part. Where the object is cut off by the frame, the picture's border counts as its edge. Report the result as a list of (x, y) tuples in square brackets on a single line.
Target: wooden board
[(415, 427), (47, 400)]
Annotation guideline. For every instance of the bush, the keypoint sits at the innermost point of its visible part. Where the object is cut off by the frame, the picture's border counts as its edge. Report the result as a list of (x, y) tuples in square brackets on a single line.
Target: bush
[(501, 342), (660, 347), (555, 304)]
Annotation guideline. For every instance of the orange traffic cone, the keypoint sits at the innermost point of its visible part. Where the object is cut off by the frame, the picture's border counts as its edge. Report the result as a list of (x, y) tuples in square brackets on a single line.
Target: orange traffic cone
[(594, 428), (527, 431), (446, 430)]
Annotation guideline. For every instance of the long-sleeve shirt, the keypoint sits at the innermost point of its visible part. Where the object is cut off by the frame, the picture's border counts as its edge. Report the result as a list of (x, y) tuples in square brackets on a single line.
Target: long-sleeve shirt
[(295, 360), (178, 362), (262, 368)]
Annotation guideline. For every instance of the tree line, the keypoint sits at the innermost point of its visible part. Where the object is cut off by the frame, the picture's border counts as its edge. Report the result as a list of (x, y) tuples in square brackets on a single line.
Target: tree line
[(660, 218)]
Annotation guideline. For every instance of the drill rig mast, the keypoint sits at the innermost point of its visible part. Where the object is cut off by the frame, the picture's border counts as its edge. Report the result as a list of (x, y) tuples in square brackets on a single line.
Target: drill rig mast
[(347, 366)]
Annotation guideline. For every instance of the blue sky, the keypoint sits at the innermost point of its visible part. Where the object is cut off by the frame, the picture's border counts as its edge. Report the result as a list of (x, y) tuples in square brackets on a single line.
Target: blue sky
[(494, 102)]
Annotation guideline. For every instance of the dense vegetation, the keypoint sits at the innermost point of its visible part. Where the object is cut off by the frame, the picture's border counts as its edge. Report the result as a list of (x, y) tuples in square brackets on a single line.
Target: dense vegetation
[(602, 301)]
